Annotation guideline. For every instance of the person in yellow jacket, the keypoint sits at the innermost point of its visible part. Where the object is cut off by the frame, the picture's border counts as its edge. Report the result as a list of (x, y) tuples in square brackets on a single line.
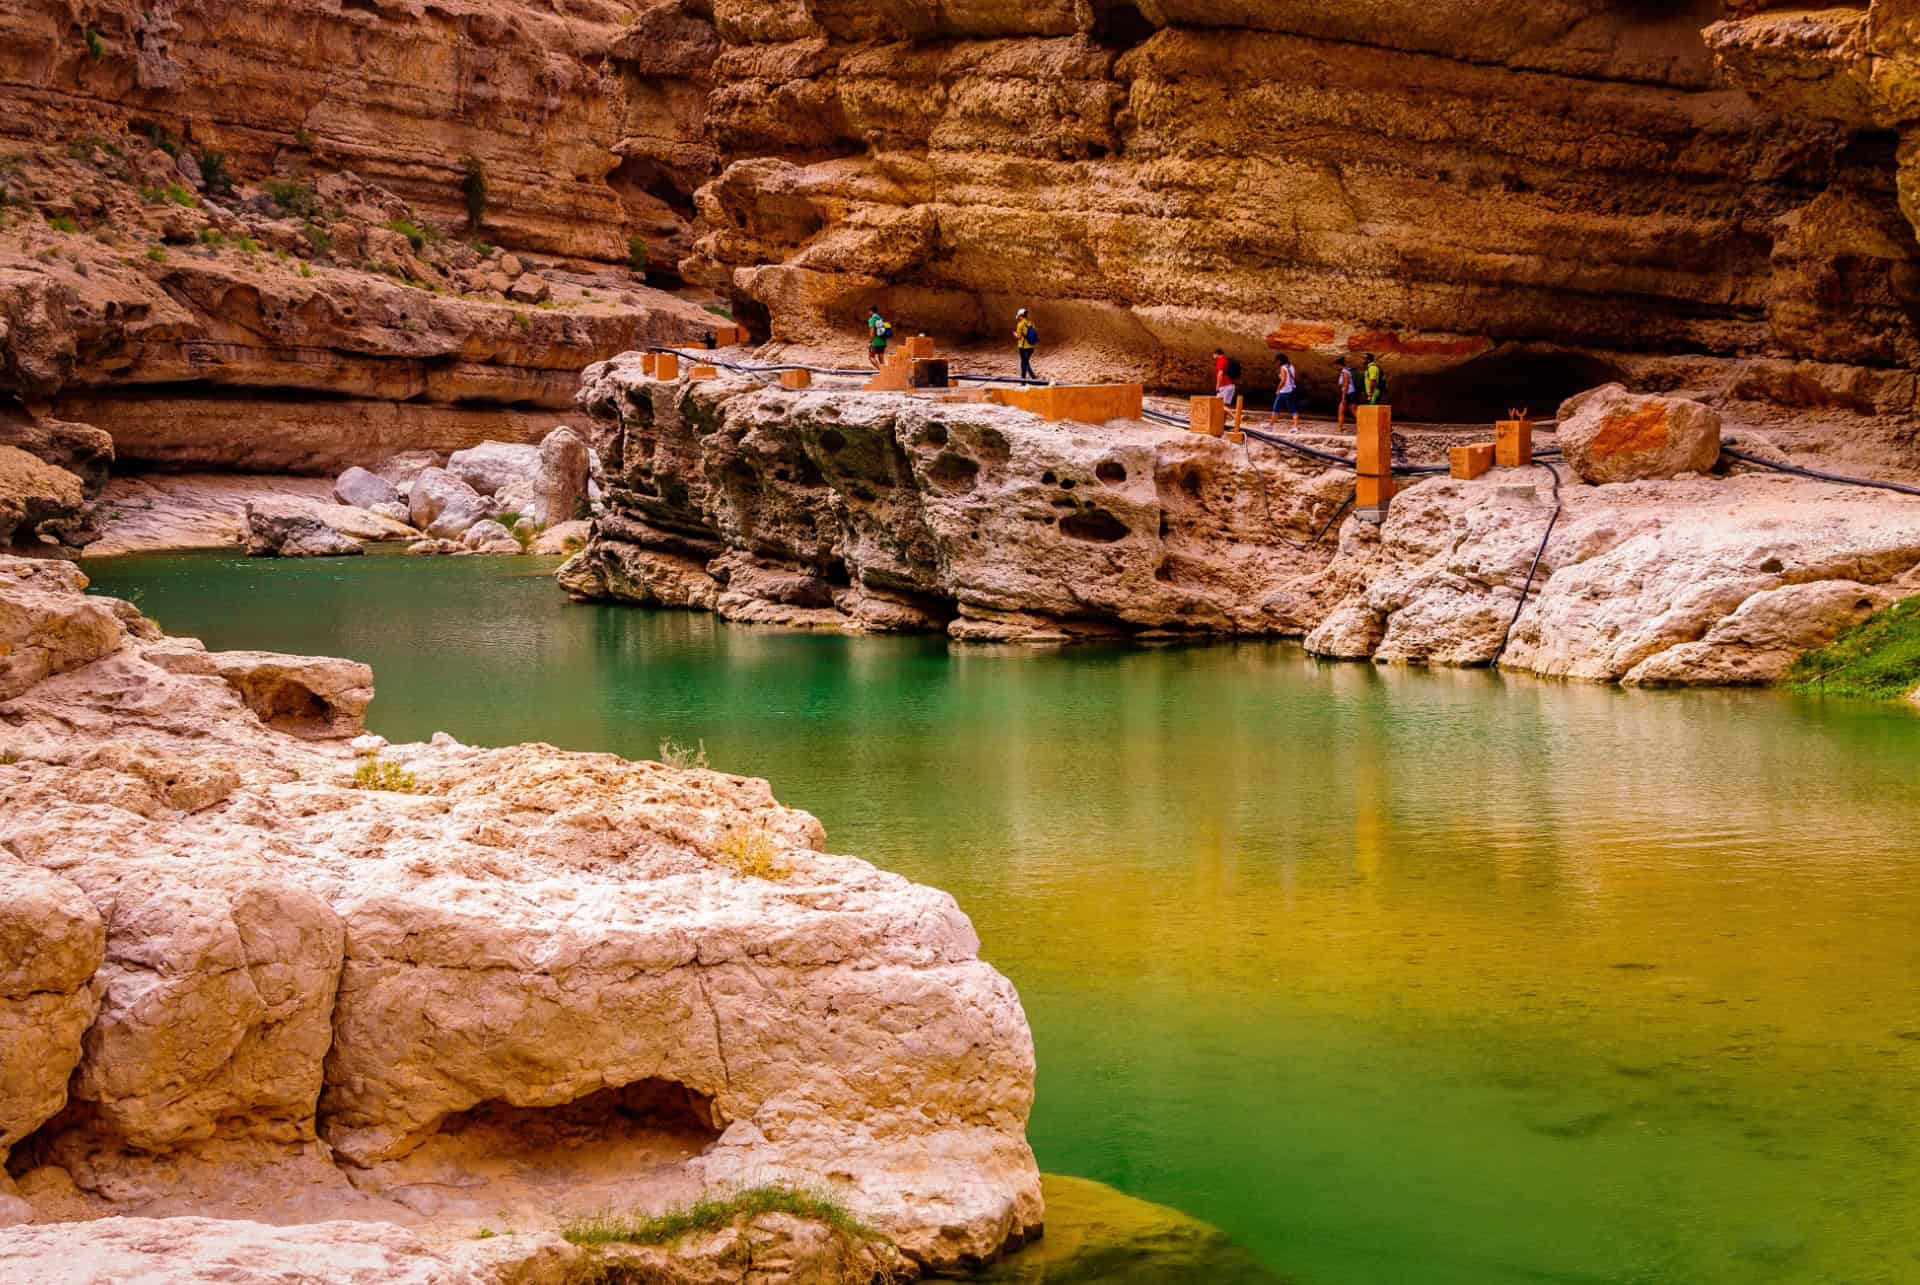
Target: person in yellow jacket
[(1025, 340)]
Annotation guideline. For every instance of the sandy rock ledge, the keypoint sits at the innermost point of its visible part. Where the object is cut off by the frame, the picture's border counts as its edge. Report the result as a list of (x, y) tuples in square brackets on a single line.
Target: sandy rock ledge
[(305, 1024)]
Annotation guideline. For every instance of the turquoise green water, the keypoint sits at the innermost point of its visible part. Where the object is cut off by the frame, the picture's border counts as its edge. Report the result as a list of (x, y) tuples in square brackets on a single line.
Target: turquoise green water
[(1396, 977)]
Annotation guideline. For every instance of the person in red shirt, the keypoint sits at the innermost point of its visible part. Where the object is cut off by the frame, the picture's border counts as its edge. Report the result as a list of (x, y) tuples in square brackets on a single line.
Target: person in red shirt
[(1219, 368)]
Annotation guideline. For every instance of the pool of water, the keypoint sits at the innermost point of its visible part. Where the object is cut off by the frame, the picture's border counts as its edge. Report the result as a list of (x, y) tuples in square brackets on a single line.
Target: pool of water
[(1397, 977)]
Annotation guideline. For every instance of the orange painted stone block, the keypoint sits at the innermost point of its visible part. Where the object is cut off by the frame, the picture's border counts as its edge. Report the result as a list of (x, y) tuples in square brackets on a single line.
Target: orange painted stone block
[(1373, 456), (1209, 416), (894, 377), (1469, 462), (1513, 443), (666, 366), (649, 362), (1084, 403), (796, 379), (920, 346), (704, 372)]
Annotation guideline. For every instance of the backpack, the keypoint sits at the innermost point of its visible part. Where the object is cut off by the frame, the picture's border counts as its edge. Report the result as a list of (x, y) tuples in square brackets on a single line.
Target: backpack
[(1233, 369), (1383, 385), (885, 331), (1033, 336)]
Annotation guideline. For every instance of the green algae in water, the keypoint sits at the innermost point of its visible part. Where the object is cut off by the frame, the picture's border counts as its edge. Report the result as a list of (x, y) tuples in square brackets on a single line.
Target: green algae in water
[(1098, 1236), (1346, 963)]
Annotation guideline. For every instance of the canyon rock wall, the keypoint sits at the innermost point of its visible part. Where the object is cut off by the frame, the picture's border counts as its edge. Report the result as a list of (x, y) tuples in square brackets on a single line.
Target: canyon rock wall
[(875, 512), (1510, 206), (493, 984)]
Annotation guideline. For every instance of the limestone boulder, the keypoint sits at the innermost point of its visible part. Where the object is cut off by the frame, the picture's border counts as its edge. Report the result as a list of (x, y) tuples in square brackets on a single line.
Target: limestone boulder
[(193, 1251), (530, 288), (1612, 435), (46, 626), (492, 466), (444, 506), (567, 539), (396, 511), (37, 498), (556, 490), (1760, 640), (293, 533), (402, 469), (310, 696), (363, 489), (431, 548), (52, 942), (490, 537)]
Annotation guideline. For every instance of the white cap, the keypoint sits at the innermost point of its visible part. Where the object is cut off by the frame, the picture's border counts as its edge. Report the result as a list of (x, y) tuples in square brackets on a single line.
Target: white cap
[(1021, 313)]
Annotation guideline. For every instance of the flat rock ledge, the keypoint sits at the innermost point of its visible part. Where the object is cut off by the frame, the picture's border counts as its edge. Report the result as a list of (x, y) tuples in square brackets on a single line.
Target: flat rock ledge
[(872, 513), (257, 1022)]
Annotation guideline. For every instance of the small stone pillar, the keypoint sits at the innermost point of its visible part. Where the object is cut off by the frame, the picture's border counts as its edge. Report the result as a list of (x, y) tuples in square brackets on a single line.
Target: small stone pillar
[(1513, 443), (796, 379), (649, 362), (1373, 461), (920, 346), (1239, 410), (666, 365), (1209, 416), (1469, 462), (704, 372)]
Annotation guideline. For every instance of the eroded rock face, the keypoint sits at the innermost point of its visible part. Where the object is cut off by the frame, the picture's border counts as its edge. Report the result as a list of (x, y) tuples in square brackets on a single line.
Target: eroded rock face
[(1611, 435), (518, 973), (887, 514)]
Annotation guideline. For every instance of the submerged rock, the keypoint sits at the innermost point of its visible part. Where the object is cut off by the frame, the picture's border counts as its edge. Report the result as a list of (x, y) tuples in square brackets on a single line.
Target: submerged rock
[(1097, 1236), (478, 977)]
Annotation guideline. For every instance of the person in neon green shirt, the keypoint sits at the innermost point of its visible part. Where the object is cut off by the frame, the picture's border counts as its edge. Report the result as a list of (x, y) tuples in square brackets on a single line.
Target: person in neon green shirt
[(1375, 380), (879, 332)]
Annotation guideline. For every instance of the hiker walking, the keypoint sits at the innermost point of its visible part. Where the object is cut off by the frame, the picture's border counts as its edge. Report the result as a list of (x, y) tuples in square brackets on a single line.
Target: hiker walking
[(879, 332), (1287, 393), (1229, 389), (1219, 368), (1344, 373), (1025, 340), (1375, 382)]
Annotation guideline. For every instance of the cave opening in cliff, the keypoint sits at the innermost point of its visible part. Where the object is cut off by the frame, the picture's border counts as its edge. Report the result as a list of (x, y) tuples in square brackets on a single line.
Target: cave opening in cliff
[(1119, 25), (1484, 389), (656, 1119)]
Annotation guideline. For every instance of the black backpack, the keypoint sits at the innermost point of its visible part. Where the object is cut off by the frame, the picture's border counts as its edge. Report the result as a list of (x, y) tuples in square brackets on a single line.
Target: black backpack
[(1233, 369)]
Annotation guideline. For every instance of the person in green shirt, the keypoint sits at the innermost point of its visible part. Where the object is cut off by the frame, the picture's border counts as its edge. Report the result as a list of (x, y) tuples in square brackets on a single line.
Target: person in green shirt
[(879, 332), (1375, 382)]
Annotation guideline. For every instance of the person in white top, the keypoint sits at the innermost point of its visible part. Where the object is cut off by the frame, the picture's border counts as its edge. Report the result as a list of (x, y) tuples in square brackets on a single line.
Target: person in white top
[(1348, 390), (1287, 394)]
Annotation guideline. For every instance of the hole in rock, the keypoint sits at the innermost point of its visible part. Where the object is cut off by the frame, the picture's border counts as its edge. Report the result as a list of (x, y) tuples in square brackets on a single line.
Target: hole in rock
[(1112, 472), (951, 472), (831, 441), (1772, 565), (1120, 25), (580, 1155), (934, 435), (1047, 478), (1097, 526), (1067, 484)]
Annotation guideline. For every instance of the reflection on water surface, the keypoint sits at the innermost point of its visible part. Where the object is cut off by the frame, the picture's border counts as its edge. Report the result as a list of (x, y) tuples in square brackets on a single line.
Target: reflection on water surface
[(1393, 976)]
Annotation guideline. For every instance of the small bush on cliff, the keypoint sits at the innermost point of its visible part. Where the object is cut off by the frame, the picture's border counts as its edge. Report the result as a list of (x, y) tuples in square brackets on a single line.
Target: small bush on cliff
[(295, 196), (1878, 659), (637, 255), (160, 138), (213, 169), (63, 223), (712, 1212), (473, 185), (96, 48), (417, 234), (157, 253), (319, 240), (674, 754), (752, 853), (378, 774)]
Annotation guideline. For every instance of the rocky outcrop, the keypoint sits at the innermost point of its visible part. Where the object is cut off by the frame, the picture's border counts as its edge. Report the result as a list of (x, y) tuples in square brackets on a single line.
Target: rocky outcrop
[(294, 534), (843, 510), (879, 512), (438, 986)]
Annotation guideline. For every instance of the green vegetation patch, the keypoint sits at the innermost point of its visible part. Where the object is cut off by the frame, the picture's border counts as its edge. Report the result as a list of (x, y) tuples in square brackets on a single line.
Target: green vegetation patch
[(1877, 659), (418, 234), (380, 774), (712, 1212)]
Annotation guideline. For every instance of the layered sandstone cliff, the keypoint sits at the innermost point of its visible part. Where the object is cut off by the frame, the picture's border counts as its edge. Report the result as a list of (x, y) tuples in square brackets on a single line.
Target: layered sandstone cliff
[(508, 985), (877, 512)]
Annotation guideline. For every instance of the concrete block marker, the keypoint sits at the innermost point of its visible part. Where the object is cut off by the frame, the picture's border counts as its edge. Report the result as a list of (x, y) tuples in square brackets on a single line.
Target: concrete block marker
[(796, 379), (1086, 403), (1373, 461), (1209, 416), (930, 372), (704, 372), (1513, 443), (920, 346), (649, 363), (1469, 462), (666, 365)]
